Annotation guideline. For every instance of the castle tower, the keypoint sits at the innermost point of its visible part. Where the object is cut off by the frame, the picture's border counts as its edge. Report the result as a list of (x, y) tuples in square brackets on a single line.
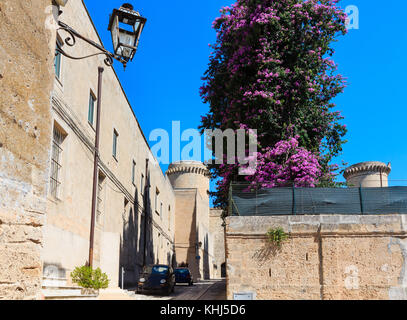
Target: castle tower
[(371, 174), (189, 174), (193, 243)]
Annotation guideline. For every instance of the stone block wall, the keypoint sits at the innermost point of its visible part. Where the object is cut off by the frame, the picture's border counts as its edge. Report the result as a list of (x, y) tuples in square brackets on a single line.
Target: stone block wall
[(218, 236), (326, 257), (27, 48)]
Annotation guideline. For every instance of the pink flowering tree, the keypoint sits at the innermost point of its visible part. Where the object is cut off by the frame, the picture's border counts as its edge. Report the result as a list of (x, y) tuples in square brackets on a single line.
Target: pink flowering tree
[(271, 70)]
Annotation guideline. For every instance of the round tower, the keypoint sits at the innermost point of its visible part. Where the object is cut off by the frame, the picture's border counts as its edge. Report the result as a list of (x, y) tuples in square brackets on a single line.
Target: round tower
[(189, 174), (371, 174)]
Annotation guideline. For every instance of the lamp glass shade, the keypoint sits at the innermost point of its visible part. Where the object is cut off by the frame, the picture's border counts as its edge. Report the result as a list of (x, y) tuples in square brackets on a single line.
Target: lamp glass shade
[(126, 26), (126, 40), (115, 33)]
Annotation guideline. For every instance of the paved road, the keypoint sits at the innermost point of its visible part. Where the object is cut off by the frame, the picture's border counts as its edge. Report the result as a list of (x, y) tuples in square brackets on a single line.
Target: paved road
[(216, 292), (202, 290)]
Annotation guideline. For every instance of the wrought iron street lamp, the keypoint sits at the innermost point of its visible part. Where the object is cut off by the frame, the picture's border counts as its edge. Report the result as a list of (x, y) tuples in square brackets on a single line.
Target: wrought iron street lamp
[(126, 26)]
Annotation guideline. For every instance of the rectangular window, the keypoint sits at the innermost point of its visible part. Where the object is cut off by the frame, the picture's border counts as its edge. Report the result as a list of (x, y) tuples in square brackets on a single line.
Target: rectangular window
[(169, 217), (142, 185), (55, 179), (99, 207), (115, 138), (133, 173), (161, 210), (91, 111), (158, 247), (157, 193), (57, 61)]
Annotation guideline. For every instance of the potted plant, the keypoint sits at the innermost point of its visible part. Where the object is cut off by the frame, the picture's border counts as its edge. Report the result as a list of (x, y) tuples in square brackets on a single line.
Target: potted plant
[(91, 280)]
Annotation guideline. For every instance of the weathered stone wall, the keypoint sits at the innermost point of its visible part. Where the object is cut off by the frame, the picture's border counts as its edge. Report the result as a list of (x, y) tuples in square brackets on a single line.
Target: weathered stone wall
[(218, 236), (325, 257), (26, 77)]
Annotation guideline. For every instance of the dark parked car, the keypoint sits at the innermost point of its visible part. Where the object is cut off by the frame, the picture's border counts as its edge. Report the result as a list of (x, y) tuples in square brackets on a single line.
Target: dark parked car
[(157, 278), (183, 275)]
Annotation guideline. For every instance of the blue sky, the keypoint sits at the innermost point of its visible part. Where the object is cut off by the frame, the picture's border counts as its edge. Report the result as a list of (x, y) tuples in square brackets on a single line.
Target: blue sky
[(163, 80)]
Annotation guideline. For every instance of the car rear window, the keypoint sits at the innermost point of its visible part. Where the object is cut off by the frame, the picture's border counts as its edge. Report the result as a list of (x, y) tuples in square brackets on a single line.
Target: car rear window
[(182, 271), (156, 270)]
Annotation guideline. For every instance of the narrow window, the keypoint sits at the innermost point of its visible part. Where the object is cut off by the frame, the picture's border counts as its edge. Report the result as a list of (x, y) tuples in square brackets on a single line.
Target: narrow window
[(91, 111), (133, 173), (99, 207), (158, 246), (142, 184), (55, 179), (169, 218), (115, 138), (157, 193), (161, 210), (57, 61)]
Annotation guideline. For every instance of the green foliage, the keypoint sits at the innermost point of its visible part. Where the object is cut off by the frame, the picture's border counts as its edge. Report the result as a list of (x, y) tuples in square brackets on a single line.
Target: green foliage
[(277, 236), (271, 70), (87, 277)]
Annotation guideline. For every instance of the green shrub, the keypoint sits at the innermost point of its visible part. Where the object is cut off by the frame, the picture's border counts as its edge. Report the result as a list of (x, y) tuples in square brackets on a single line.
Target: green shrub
[(277, 236), (89, 278)]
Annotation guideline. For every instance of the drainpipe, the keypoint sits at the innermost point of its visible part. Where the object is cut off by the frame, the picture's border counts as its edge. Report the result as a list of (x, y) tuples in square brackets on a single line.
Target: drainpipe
[(95, 168), (146, 188)]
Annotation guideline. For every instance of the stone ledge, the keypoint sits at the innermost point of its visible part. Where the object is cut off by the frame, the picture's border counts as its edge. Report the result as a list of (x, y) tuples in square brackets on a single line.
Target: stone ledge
[(325, 224)]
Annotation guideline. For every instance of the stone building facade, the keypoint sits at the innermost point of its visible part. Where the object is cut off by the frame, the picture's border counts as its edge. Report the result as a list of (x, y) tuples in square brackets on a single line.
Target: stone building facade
[(27, 44), (135, 201), (327, 257)]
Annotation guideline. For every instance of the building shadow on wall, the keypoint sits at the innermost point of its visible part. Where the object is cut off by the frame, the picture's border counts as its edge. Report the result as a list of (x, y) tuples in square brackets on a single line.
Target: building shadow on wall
[(265, 253), (146, 226), (129, 245), (206, 269), (192, 261), (136, 243)]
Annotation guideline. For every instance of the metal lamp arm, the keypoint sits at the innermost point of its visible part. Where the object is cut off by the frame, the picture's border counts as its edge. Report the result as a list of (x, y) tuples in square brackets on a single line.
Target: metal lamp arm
[(71, 41)]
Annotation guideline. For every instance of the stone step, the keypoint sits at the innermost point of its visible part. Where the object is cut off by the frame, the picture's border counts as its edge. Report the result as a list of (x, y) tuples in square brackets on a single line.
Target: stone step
[(64, 292), (53, 282), (95, 297), (61, 291)]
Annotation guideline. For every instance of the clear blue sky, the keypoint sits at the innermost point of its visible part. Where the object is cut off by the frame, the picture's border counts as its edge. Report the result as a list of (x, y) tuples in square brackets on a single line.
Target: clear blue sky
[(163, 80)]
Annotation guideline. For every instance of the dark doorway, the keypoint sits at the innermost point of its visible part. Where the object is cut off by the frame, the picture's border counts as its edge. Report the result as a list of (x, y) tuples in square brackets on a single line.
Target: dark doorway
[(223, 270)]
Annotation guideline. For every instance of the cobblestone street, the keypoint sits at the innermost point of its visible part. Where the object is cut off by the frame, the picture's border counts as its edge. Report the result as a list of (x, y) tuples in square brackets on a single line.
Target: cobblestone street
[(203, 290)]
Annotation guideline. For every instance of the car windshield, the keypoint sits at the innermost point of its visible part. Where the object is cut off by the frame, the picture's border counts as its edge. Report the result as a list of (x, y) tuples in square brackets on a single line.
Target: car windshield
[(182, 271), (156, 270)]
